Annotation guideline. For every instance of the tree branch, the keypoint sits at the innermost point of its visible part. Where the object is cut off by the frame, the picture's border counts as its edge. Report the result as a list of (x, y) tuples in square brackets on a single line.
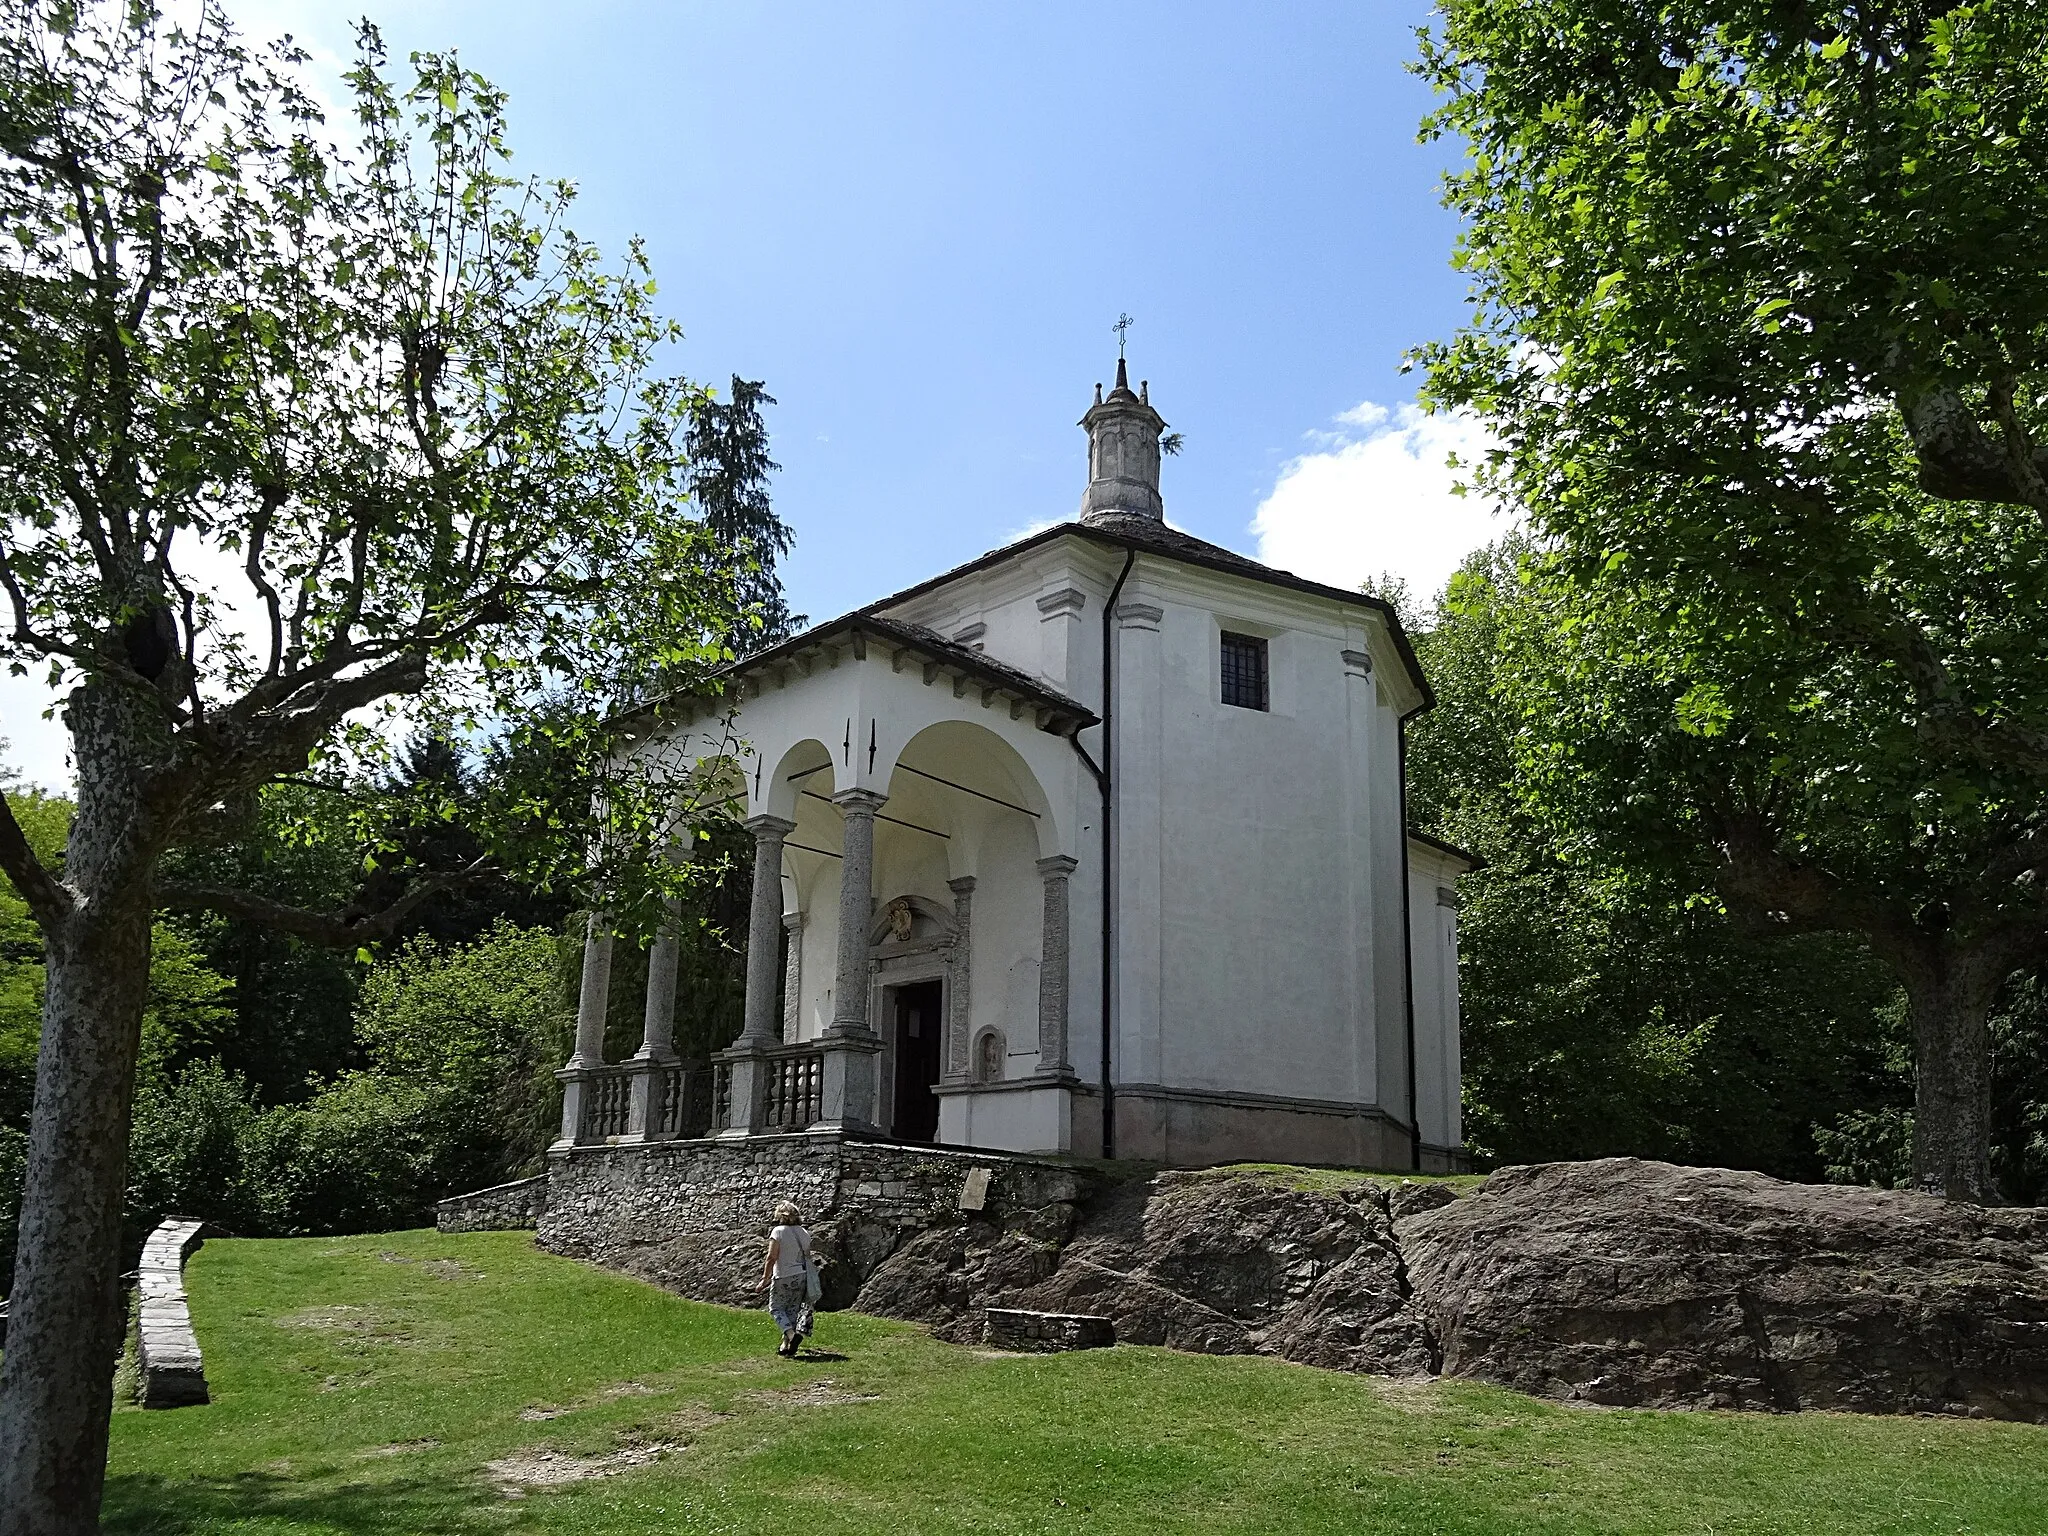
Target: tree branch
[(1959, 462), (48, 900), (1756, 876), (344, 929)]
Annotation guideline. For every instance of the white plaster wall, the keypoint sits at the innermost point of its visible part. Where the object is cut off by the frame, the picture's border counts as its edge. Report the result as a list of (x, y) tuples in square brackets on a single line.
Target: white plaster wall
[(1261, 941), (1435, 962)]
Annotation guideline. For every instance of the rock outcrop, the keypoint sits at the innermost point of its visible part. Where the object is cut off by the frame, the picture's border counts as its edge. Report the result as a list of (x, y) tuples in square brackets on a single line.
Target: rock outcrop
[(1212, 1263), (1618, 1282), (1628, 1282)]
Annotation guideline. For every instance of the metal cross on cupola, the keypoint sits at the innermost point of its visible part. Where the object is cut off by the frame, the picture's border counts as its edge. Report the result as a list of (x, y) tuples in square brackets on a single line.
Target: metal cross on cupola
[(1123, 324)]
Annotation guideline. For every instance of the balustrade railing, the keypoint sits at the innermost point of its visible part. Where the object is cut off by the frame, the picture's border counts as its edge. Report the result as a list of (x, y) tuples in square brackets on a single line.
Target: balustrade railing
[(791, 1083), (611, 1103), (679, 1101), (685, 1103), (795, 1090)]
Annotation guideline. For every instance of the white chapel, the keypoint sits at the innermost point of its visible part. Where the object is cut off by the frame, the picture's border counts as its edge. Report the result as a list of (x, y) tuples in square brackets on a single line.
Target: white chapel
[(1094, 845)]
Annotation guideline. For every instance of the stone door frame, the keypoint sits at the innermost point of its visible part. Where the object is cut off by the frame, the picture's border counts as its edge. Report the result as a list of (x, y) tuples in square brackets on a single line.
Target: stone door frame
[(911, 965)]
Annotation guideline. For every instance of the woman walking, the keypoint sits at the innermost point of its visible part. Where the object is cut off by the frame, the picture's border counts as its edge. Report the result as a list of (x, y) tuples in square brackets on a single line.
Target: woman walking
[(787, 1275)]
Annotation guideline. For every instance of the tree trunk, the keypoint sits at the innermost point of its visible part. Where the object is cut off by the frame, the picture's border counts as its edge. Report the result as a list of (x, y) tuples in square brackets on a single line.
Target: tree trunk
[(65, 1318), (1951, 996)]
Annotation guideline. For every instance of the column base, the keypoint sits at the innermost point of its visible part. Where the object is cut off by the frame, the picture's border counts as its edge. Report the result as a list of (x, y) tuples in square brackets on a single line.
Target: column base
[(575, 1081), (643, 1103)]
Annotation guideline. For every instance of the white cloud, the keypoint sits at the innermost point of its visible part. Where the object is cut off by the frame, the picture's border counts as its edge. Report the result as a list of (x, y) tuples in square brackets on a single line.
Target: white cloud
[(1375, 495)]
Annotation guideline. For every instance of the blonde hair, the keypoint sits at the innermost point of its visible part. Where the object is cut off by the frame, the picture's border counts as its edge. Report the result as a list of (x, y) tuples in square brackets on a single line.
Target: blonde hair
[(788, 1214)]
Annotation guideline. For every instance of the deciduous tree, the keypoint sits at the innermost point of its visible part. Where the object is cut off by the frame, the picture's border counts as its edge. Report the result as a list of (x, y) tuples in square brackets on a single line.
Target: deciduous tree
[(306, 446), (1762, 322)]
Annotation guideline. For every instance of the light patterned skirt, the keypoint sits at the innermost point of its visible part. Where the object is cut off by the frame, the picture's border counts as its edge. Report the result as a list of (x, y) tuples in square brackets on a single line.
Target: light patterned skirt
[(789, 1304)]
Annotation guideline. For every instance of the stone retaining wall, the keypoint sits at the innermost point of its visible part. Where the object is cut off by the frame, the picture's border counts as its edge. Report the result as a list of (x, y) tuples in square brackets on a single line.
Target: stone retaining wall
[(501, 1208), (694, 1215), (172, 1373)]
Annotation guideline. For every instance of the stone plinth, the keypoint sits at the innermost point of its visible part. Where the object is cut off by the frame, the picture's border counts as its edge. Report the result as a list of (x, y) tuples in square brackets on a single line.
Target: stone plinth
[(1044, 1333)]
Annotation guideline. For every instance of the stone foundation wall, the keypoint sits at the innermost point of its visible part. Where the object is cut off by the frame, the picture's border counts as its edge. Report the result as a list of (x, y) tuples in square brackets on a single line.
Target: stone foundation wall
[(694, 1215), (501, 1208)]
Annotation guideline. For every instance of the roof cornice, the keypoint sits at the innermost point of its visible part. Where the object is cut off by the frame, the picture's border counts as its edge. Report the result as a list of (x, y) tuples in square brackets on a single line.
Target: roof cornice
[(904, 644)]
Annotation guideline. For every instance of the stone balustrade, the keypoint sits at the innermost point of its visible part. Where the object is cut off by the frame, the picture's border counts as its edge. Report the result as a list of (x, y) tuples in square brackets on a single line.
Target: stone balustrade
[(789, 1081), (639, 1100)]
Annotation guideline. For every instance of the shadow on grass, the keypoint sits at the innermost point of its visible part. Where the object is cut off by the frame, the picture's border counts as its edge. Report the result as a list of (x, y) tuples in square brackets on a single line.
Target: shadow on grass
[(818, 1354), (147, 1505)]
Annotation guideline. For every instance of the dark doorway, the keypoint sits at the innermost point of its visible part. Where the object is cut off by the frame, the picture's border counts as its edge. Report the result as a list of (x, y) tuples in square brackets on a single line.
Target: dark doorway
[(917, 1060)]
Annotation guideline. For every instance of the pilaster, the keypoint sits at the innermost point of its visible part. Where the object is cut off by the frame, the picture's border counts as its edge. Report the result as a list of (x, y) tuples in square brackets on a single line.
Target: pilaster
[(1054, 945), (960, 1006), (1361, 948), (792, 977), (1137, 718)]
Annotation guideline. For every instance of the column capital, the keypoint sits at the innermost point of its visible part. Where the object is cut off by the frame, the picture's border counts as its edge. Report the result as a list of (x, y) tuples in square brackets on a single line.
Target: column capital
[(1058, 864), (961, 885), (860, 802), (765, 826)]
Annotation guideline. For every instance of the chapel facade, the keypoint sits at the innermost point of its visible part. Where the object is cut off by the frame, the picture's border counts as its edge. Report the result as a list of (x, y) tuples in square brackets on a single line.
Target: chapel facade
[(1094, 845)]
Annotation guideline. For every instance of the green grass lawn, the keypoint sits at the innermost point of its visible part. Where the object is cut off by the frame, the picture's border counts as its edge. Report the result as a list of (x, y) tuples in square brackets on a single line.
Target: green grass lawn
[(409, 1383)]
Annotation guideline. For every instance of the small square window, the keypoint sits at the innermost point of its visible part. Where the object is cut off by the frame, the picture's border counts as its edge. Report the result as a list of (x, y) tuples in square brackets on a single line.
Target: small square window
[(1244, 671)]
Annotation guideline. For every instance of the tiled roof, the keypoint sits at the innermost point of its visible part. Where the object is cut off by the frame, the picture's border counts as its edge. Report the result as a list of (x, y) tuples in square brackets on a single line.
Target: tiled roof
[(1129, 531)]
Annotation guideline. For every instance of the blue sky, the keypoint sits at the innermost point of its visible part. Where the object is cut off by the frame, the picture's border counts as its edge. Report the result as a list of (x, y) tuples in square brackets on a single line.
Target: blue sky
[(917, 224)]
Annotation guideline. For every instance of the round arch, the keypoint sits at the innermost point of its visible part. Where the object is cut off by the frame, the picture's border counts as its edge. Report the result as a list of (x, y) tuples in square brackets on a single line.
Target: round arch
[(968, 763), (796, 765)]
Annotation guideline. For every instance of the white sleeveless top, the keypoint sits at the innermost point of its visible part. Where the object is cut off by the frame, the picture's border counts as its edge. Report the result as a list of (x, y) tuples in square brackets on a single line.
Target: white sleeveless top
[(794, 1243)]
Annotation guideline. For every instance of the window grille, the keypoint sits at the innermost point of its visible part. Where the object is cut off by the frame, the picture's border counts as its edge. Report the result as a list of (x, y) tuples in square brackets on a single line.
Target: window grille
[(1244, 671)]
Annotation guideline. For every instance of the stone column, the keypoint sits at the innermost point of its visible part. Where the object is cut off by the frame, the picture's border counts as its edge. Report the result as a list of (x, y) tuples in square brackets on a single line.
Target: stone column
[(960, 1009), (851, 1043), (764, 935), (764, 931), (590, 1009), (1052, 968), (856, 909), (792, 977), (657, 1051)]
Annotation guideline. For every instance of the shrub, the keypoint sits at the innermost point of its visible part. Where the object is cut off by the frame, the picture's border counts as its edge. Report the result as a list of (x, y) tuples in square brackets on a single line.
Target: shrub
[(13, 1169), (185, 1151), (359, 1156)]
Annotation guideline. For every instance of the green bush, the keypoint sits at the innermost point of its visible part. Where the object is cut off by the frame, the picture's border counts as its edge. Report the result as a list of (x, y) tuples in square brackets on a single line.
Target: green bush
[(13, 1170), (185, 1150), (486, 1026), (361, 1155)]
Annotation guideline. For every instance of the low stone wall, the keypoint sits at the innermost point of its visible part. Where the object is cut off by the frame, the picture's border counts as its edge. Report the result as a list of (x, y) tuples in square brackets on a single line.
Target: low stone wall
[(694, 1215), (1044, 1332), (501, 1208), (172, 1374)]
